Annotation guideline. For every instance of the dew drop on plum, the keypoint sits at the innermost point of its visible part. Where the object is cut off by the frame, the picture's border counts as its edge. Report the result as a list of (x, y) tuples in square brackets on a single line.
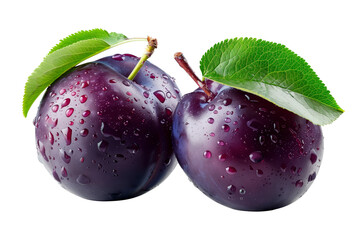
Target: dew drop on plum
[(51, 122), (102, 145), (227, 102), (118, 57), (65, 102), (146, 94), (56, 176), (259, 172), (207, 154), (42, 150), (86, 113), (160, 95), (69, 112), (55, 108), (242, 191), (84, 132), (83, 179), (64, 156), (231, 170), (51, 138), (231, 189), (67, 132), (256, 156), (299, 183), (226, 128), (222, 157), (313, 156), (64, 172), (312, 177), (211, 120), (83, 98)]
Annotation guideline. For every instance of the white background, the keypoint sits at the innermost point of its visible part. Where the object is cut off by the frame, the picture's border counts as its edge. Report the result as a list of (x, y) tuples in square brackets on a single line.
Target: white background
[(34, 206)]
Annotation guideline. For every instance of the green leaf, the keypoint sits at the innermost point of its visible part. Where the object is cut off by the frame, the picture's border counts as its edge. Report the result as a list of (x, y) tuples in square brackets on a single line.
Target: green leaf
[(274, 72), (65, 55)]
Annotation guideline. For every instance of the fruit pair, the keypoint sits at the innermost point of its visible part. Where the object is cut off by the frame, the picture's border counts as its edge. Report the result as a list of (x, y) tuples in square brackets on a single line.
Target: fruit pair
[(106, 136)]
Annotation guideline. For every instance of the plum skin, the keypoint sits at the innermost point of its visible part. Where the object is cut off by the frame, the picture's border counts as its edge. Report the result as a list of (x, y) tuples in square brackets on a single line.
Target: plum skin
[(104, 137), (245, 152)]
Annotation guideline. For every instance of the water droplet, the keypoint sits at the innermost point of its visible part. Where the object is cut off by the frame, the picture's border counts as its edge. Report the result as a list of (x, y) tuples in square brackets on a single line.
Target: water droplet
[(133, 148), (259, 172), (253, 124), (84, 132), (67, 132), (136, 132), (262, 140), (69, 112), (299, 183), (262, 109), (283, 167), (56, 176), (81, 121), (65, 102), (221, 143), (84, 84), (313, 156), (227, 101), (222, 157), (227, 120), (55, 108), (277, 127), (51, 138), (230, 170), (290, 155), (231, 189), (312, 177), (128, 93), (118, 57), (64, 172), (242, 191), (64, 156), (152, 76), (86, 113), (103, 145), (51, 122), (146, 94), (160, 95), (112, 81), (42, 150), (212, 134), (168, 111), (83, 98), (273, 138), (126, 83), (62, 91), (211, 107), (256, 156), (83, 179), (207, 154), (211, 120), (82, 159), (225, 127)]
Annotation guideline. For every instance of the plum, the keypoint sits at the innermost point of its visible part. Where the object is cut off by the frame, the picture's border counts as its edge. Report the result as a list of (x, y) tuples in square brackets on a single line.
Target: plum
[(103, 136), (243, 151)]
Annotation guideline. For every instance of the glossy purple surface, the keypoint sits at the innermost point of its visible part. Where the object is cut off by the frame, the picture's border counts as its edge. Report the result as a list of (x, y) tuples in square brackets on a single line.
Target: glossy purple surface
[(104, 137), (243, 151)]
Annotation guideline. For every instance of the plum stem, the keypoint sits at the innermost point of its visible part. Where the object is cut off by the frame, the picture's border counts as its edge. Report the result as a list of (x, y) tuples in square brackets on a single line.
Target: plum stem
[(181, 60), (152, 44)]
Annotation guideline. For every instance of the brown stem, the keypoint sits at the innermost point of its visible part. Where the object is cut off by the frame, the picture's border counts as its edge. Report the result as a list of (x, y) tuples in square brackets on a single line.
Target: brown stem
[(181, 60)]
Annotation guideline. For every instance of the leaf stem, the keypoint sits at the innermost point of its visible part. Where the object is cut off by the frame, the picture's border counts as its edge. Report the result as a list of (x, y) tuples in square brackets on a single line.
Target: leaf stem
[(152, 44), (181, 60)]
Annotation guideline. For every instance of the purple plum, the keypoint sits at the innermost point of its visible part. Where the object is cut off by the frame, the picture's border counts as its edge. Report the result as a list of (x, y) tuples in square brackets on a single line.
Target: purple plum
[(103, 136), (243, 151)]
